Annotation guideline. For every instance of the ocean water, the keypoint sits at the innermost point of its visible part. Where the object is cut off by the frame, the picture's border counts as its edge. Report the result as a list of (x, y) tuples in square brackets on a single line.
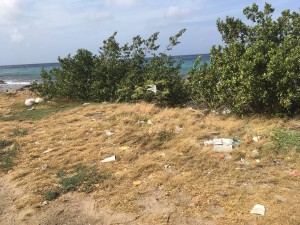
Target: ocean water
[(17, 76)]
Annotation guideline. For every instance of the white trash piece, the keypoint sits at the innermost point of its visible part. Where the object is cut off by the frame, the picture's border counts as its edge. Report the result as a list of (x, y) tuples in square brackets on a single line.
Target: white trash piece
[(149, 122), (258, 210), (152, 88), (29, 102), (109, 133), (38, 100), (256, 139), (109, 159), (178, 129), (223, 145)]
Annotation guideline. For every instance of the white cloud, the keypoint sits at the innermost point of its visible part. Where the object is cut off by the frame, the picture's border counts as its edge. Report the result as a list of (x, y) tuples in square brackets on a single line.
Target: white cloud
[(16, 36), (175, 12), (121, 2), (9, 10), (98, 16)]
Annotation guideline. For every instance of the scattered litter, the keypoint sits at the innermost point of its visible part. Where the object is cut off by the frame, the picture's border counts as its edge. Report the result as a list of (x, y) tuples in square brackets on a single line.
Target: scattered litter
[(226, 111), (152, 88), (124, 148), (178, 129), (140, 122), (44, 167), (215, 132), (258, 209), (109, 159), (257, 160), (44, 203), (48, 150), (38, 100), (222, 148), (84, 104), (194, 110), (149, 122), (32, 108), (108, 133), (254, 154), (294, 173), (222, 144), (136, 183), (167, 167), (29, 102), (280, 198), (245, 162), (256, 138)]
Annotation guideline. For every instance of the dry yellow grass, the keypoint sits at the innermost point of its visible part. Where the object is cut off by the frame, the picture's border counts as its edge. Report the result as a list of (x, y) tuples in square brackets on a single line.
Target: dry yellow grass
[(181, 180)]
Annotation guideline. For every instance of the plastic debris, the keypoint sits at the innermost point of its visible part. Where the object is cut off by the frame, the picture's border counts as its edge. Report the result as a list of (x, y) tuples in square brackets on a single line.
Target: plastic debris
[(256, 138), (258, 210), (108, 133), (222, 144), (29, 102), (194, 110), (84, 104), (167, 167), (245, 162), (149, 122), (32, 108), (44, 167), (38, 100), (280, 198), (178, 129), (109, 159), (226, 111), (136, 183), (124, 148), (48, 150), (294, 173), (152, 88)]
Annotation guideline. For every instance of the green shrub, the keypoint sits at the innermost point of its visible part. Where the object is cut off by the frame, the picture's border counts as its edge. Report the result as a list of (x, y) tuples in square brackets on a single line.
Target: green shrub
[(257, 70), (118, 74)]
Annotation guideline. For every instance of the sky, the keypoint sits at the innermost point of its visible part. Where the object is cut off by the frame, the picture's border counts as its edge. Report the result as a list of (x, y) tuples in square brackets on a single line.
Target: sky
[(38, 31)]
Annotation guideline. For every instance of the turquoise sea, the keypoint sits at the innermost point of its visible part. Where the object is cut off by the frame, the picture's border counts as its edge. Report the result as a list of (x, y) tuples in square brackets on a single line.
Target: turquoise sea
[(17, 76)]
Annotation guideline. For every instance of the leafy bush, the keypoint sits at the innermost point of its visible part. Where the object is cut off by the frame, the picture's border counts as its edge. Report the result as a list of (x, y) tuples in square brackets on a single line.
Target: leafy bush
[(258, 69), (118, 73)]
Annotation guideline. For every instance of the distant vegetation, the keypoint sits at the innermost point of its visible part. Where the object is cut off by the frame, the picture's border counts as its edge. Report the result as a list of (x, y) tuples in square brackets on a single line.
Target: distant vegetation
[(256, 71)]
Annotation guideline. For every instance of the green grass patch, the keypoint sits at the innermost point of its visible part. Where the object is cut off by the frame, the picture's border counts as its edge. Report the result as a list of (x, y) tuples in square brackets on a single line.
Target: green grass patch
[(8, 152), (81, 179), (285, 140), (21, 113), (19, 132)]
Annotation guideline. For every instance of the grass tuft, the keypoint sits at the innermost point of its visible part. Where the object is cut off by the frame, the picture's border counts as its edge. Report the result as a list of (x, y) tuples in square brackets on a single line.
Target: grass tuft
[(81, 179), (285, 140), (21, 113), (19, 132), (7, 154)]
